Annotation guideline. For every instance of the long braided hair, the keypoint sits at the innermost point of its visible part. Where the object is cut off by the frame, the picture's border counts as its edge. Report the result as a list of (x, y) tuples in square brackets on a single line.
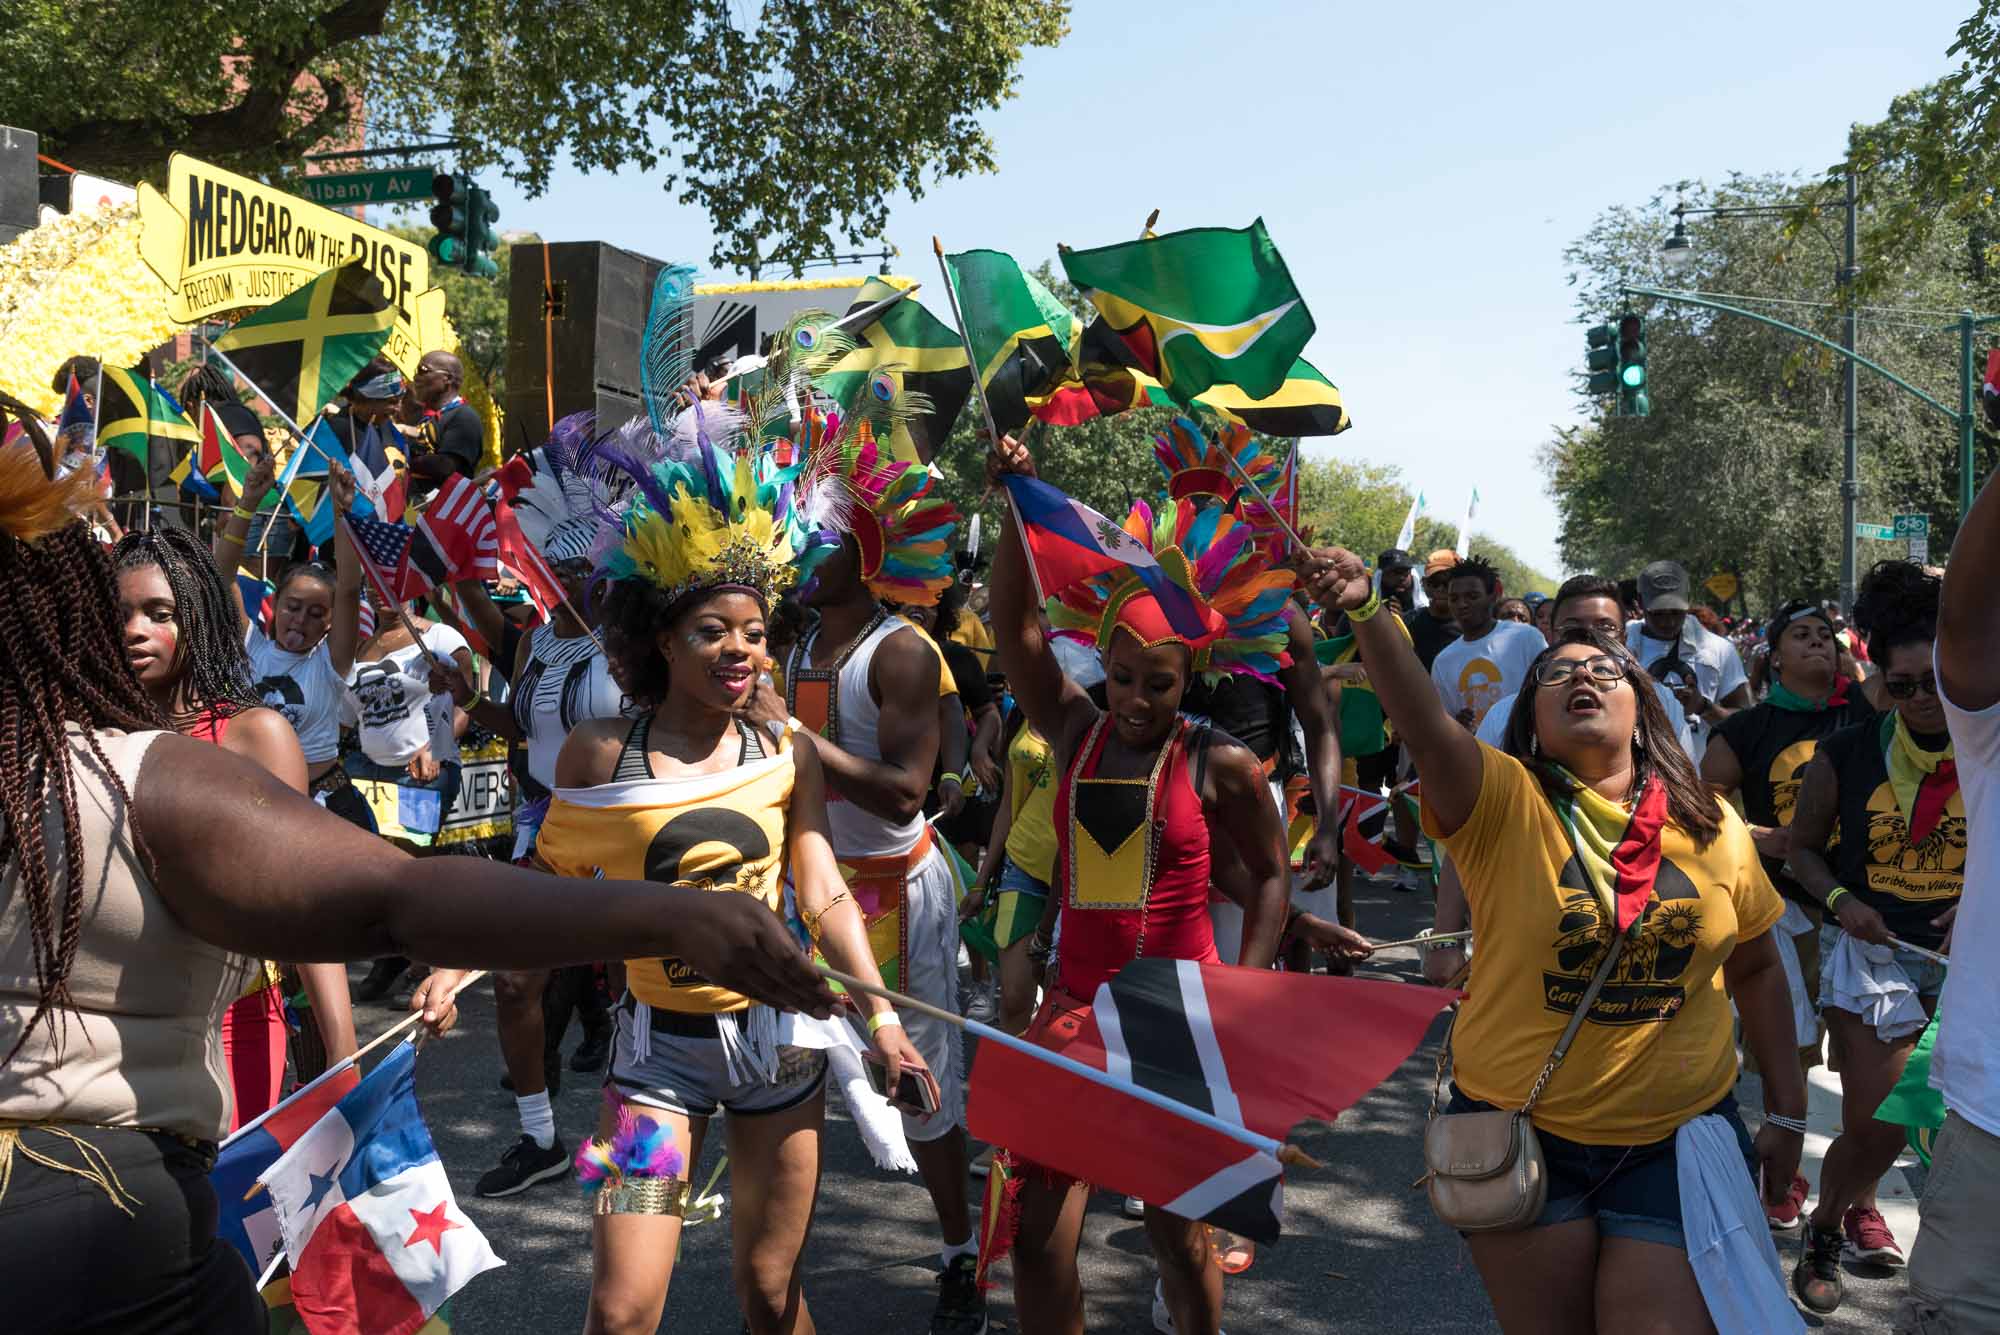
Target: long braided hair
[(212, 666), (62, 662)]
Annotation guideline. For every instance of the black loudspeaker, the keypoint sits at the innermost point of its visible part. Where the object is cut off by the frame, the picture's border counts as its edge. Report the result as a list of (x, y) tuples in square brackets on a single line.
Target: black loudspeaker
[(576, 311), (20, 190)]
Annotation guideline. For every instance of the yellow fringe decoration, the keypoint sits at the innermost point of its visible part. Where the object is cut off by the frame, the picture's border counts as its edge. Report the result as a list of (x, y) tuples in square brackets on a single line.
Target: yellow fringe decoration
[(97, 1170)]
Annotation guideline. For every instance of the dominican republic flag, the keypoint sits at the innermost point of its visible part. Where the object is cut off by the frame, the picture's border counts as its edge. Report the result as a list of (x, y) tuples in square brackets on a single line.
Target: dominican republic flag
[(375, 1238), (1068, 541), (381, 472), (459, 524), (1254, 1047), (251, 1226)]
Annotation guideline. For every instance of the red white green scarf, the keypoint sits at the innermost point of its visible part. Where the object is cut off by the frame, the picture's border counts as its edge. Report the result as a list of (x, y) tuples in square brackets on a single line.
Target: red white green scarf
[(1618, 846)]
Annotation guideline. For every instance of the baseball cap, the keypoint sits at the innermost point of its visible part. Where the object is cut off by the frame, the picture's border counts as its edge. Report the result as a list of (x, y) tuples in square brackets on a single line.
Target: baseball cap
[(1444, 558), (1663, 587), (1534, 598), (1395, 559)]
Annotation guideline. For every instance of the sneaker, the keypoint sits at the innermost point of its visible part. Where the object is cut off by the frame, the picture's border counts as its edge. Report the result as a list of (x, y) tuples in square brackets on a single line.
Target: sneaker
[(523, 1166), (1163, 1320), (1869, 1238), (593, 1052), (1816, 1278), (1786, 1217), (382, 978), (961, 1307), (1132, 1208)]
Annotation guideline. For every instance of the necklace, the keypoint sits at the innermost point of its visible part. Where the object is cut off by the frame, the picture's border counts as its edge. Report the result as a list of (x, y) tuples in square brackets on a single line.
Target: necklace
[(797, 674)]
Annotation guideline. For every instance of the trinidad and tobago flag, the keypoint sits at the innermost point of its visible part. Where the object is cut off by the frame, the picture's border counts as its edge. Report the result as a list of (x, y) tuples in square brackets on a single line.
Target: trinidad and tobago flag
[(1251, 1048)]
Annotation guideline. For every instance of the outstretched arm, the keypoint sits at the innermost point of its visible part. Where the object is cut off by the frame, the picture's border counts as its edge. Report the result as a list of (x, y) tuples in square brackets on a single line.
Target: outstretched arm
[(1057, 707), (1968, 643), (343, 637)]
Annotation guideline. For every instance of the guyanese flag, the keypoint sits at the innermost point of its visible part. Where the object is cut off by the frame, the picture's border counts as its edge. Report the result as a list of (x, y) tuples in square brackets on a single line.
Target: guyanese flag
[(302, 350), (132, 412), (921, 352), (1207, 306), (1023, 339)]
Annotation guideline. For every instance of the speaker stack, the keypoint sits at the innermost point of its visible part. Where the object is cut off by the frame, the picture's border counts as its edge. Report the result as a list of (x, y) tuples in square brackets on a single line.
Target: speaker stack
[(576, 311)]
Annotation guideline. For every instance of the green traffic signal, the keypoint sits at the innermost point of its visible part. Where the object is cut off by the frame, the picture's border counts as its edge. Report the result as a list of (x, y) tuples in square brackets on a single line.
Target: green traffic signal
[(1632, 398), (1634, 376)]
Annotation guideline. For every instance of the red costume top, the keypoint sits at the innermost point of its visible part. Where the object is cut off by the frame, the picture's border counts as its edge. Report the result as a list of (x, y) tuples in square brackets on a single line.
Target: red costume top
[(1131, 864)]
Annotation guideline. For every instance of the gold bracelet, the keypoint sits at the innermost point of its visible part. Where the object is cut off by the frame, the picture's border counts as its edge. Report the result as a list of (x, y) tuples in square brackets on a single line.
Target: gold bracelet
[(812, 920), (1367, 610)]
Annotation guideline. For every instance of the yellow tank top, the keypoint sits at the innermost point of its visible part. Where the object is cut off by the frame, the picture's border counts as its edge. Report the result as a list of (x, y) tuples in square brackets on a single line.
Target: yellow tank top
[(1031, 789)]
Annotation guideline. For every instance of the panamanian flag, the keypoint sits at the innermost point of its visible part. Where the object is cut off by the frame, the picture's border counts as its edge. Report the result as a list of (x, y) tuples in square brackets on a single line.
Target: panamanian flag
[(251, 1225), (375, 1238), (1069, 542)]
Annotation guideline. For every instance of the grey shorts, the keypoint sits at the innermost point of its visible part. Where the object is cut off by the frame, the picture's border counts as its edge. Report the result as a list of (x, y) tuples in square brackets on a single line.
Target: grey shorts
[(684, 1071)]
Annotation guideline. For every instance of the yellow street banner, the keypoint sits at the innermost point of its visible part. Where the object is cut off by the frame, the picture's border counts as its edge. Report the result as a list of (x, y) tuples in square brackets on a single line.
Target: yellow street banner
[(223, 242)]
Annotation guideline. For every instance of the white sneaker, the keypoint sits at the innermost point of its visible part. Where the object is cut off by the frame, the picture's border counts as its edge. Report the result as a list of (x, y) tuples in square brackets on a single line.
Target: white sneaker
[(1163, 1320), (1133, 1208)]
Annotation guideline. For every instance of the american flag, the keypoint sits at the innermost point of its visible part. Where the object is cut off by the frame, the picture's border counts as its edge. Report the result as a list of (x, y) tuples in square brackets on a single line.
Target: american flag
[(459, 524), (399, 566)]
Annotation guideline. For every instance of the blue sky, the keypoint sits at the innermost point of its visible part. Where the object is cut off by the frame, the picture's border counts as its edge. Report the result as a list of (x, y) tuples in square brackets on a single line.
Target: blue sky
[(1421, 166)]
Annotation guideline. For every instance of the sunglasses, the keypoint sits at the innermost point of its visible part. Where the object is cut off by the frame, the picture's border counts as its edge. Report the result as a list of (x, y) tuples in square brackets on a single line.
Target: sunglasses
[(1904, 690), (1603, 669)]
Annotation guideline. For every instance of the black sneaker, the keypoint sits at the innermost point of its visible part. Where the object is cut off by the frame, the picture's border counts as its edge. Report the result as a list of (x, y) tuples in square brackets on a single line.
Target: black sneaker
[(523, 1166), (1816, 1278), (382, 978), (593, 1052), (961, 1308)]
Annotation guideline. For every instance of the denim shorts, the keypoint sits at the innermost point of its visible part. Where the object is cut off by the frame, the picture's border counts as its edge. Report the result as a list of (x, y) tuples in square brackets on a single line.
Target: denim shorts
[(684, 1070), (1020, 899), (1632, 1191)]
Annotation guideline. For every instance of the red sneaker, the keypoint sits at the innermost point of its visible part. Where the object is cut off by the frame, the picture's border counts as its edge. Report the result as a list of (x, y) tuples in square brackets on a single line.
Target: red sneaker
[(1869, 1238), (1786, 1217)]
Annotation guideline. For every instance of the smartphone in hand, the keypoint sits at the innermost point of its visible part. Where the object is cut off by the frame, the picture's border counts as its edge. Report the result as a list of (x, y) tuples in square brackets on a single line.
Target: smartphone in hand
[(913, 1092)]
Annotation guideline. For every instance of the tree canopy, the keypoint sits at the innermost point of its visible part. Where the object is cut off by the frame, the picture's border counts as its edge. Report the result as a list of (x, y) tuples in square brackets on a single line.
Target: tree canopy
[(787, 126)]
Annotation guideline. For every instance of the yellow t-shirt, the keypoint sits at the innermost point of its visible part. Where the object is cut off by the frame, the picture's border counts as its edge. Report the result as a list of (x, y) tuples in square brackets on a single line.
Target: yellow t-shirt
[(947, 684), (972, 633), (725, 830), (1031, 789), (1658, 1048)]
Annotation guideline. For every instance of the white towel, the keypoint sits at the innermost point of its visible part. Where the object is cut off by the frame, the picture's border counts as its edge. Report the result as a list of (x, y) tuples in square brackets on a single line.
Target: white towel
[(1866, 980), (1795, 923), (880, 1125), (1728, 1238)]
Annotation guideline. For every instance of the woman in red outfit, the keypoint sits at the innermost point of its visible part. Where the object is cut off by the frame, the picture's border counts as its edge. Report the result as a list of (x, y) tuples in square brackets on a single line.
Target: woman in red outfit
[(1141, 791)]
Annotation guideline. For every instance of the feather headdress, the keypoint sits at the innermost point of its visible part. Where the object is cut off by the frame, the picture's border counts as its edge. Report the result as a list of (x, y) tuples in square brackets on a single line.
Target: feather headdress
[(1212, 554), (1196, 467), (902, 530)]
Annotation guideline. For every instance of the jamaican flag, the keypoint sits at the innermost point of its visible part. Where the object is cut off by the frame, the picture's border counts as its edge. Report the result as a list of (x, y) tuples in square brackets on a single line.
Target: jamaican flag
[(1307, 404), (921, 351), (1199, 308), (1023, 339), (132, 412), (303, 350)]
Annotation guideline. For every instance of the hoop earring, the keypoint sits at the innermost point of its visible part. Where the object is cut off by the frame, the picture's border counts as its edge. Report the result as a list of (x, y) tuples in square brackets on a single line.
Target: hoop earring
[(1638, 742), (1534, 747)]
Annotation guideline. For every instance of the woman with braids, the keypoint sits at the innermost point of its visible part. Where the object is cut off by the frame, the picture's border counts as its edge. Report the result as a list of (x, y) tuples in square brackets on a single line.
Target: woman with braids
[(690, 790), (1588, 834), (1878, 842), (180, 640), (142, 874)]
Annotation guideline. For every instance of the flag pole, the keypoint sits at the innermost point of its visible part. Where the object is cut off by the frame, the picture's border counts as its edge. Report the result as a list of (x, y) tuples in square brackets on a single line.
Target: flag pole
[(304, 441), (986, 409), (1244, 473), (343, 1063), (1433, 939), (402, 612), (1285, 1153)]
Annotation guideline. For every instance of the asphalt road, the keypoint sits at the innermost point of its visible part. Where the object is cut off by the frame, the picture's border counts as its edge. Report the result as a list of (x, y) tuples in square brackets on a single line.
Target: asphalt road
[(1362, 1251)]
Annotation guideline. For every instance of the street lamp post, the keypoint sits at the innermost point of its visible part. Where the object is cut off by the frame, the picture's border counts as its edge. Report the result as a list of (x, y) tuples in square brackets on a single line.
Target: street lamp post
[(1678, 251)]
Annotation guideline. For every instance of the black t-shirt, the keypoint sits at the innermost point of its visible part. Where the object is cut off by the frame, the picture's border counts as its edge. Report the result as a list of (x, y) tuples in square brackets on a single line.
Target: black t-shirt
[(966, 670), (1254, 712), (1429, 635), (1874, 860), (238, 420), (1773, 746), (458, 433)]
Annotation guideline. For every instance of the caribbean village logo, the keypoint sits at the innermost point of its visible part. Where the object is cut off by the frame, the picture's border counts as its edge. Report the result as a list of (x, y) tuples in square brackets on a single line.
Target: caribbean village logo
[(1648, 984)]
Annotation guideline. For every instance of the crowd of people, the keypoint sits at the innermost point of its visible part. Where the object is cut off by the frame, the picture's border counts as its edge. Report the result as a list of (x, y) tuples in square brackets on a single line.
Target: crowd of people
[(1664, 846)]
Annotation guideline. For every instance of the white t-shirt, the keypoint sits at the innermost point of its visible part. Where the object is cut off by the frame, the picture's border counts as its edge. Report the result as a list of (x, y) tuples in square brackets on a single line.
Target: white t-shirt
[(303, 687), (1718, 668), (391, 700), (1478, 674), (1965, 1062), (1493, 728)]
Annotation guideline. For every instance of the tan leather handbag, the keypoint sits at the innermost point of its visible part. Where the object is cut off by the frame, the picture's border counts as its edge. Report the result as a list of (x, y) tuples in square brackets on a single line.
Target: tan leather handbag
[(1486, 1167)]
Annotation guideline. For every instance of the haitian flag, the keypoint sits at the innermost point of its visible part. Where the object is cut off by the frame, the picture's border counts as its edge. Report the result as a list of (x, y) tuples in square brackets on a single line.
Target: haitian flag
[(78, 424), (251, 1226), (1068, 541), (1250, 1047), (374, 1235)]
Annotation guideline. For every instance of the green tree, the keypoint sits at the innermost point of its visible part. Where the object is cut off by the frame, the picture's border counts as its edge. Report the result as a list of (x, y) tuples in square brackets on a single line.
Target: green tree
[(786, 125), (1738, 467)]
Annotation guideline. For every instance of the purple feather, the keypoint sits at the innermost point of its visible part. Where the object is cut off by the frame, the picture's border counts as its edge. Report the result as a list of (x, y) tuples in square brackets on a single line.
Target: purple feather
[(1215, 562)]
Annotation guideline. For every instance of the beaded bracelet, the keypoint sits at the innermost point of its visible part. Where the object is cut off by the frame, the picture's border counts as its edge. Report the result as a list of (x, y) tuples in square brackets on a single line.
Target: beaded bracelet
[(1793, 1124)]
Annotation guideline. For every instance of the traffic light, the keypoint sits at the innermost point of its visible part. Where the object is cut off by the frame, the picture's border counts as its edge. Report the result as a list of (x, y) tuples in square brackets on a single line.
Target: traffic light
[(1632, 399), (480, 238), (1602, 359), (451, 216)]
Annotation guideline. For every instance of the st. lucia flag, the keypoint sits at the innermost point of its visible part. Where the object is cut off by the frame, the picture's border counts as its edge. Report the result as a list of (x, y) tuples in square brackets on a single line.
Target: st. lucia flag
[(1068, 542), (375, 1238)]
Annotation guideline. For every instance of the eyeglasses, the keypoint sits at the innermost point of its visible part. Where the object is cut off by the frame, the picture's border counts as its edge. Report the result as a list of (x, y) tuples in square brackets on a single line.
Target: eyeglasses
[(1603, 669), (1904, 690)]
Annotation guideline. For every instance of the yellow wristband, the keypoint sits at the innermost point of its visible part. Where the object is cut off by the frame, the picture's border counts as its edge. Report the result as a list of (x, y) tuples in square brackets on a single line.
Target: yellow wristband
[(1833, 897), (1367, 610), (244, 514), (880, 1018)]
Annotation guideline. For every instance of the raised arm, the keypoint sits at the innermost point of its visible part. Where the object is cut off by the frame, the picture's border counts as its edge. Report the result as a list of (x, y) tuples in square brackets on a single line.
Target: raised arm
[(1968, 643), (251, 866), (343, 637), (1057, 707), (234, 531), (1320, 721), (1445, 753)]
